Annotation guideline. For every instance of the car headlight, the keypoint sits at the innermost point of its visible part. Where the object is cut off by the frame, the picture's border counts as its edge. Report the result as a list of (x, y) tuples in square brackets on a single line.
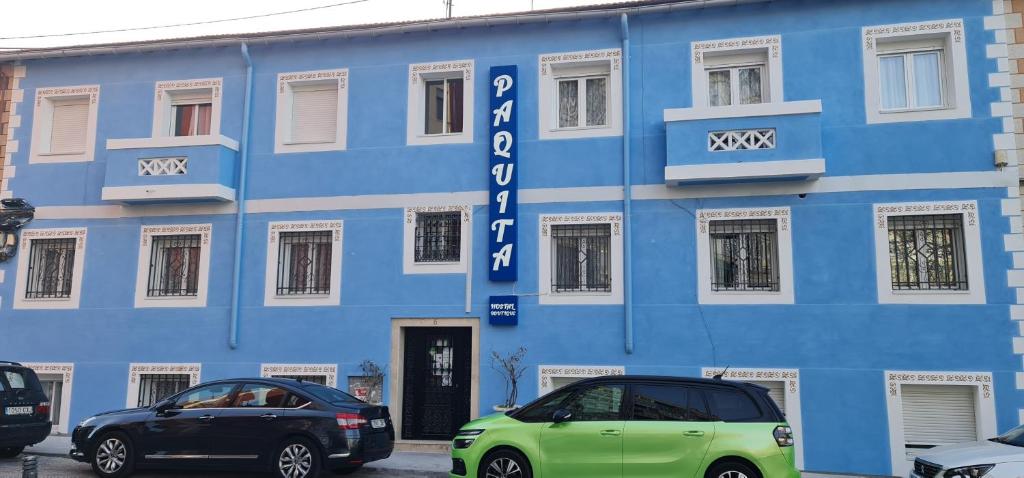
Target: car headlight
[(86, 421), (968, 471), (465, 438)]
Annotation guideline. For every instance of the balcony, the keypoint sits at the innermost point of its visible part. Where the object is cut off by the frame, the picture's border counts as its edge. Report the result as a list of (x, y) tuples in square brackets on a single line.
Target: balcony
[(747, 143), (170, 169)]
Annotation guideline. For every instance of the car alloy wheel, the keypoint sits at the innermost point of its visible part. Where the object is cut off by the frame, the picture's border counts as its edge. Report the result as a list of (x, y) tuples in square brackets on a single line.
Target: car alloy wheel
[(295, 461), (733, 474), (111, 455), (504, 468)]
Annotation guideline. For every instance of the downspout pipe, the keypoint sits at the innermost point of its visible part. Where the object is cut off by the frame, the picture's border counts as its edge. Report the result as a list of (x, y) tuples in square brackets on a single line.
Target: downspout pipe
[(627, 190), (243, 170)]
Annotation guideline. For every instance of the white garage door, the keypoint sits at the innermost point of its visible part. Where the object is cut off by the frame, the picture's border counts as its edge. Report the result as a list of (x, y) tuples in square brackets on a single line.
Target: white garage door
[(938, 415), (776, 390)]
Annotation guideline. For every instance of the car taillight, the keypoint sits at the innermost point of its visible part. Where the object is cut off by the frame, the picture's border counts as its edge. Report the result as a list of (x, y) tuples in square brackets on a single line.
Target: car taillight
[(350, 421), (783, 436), (43, 409)]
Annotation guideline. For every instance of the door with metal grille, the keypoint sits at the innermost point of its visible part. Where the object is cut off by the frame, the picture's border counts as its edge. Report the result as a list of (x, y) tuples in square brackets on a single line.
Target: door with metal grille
[(436, 383)]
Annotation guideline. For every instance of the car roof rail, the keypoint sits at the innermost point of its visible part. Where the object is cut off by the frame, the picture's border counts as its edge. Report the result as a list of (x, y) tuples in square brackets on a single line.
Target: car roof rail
[(8, 362)]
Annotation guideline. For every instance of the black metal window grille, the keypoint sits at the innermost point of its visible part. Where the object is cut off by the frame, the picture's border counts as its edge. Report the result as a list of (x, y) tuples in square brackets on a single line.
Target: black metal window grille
[(174, 266), (51, 264), (582, 258), (744, 255), (154, 387), (927, 252), (438, 236), (304, 263), (442, 367), (319, 379)]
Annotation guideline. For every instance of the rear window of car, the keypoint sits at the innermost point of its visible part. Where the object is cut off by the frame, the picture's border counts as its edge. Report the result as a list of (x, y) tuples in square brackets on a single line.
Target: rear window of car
[(19, 379), (731, 405), (330, 395)]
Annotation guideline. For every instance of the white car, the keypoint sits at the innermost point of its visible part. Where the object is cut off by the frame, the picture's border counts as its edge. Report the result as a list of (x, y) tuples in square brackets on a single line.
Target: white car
[(1000, 457)]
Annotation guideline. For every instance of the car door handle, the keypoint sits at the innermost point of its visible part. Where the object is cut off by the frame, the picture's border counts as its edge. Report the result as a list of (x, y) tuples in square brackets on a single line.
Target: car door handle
[(207, 418), (611, 433), (268, 416), (693, 433)]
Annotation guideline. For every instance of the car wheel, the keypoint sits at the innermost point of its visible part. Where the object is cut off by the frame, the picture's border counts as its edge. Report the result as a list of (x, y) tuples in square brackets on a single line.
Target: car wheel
[(11, 452), (732, 470), (346, 470), (113, 456), (504, 464), (296, 458)]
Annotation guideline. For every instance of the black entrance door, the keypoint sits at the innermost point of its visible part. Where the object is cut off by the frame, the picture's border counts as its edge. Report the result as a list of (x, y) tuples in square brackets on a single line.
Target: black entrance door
[(436, 384)]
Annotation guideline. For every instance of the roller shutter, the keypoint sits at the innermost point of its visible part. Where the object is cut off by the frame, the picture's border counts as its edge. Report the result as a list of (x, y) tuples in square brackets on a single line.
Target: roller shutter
[(315, 114), (938, 415), (776, 390), (70, 122)]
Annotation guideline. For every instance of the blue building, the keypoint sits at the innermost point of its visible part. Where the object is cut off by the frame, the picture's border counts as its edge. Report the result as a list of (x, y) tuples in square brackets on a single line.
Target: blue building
[(822, 196)]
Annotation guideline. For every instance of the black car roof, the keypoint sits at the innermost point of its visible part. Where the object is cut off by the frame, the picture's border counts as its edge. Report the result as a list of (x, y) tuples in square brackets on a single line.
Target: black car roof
[(666, 378), (271, 380)]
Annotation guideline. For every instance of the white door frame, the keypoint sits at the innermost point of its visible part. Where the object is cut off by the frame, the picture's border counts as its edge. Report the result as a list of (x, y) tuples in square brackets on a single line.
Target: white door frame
[(67, 373)]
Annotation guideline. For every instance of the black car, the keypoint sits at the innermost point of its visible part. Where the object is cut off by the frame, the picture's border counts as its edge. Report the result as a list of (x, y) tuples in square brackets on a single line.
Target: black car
[(24, 409), (289, 427)]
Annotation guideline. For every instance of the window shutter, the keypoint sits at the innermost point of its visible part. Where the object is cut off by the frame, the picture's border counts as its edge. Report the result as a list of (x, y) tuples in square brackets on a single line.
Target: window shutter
[(315, 114), (70, 122), (939, 414), (776, 390)]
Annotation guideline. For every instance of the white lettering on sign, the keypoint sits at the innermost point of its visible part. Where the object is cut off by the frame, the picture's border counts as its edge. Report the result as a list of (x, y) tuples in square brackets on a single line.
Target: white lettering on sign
[(502, 174), (502, 257)]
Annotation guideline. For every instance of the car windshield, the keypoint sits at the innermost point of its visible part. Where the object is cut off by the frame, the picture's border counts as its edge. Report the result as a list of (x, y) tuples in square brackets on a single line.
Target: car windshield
[(1013, 437), (328, 394)]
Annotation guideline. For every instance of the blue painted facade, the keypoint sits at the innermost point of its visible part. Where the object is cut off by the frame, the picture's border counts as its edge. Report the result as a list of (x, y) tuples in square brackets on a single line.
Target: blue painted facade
[(836, 333)]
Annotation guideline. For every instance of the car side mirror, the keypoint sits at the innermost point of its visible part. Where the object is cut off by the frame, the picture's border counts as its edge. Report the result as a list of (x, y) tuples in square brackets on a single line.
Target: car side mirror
[(163, 406), (561, 415)]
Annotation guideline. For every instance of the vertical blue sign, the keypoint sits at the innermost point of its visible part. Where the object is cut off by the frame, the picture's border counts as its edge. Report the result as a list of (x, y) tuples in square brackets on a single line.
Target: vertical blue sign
[(504, 192)]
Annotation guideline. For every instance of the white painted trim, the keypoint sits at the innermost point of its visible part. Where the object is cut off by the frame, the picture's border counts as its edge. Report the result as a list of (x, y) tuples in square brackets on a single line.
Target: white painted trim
[(217, 192), (984, 403), (67, 373), (409, 264), (172, 142), (545, 374), (116, 211), (162, 103), (418, 72), (744, 111), (274, 230), (29, 235), (282, 129), (790, 377), (769, 46), (146, 235), (705, 295), (546, 297), (136, 370), (329, 370), (972, 251), (794, 168), (597, 62), (957, 85), (42, 118)]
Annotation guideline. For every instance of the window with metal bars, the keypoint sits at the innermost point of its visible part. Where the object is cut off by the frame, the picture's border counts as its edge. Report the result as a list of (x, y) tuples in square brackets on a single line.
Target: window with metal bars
[(304, 263), (581, 259), (927, 252), (174, 266), (744, 255), (438, 236), (154, 387), (51, 264), (318, 379)]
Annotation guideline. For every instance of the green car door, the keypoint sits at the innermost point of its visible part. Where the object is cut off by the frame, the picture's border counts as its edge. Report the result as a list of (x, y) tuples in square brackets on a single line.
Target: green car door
[(668, 432), (589, 443)]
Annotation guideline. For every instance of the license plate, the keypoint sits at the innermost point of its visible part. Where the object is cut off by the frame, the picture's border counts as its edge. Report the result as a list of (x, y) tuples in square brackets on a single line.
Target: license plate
[(18, 410), (378, 423)]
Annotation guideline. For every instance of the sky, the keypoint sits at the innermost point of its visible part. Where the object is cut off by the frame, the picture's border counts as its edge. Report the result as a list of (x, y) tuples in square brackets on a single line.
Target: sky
[(50, 17)]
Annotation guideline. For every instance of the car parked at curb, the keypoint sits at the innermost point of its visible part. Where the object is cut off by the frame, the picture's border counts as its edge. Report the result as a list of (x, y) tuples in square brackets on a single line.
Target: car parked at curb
[(616, 426), (24, 409), (999, 457), (289, 427)]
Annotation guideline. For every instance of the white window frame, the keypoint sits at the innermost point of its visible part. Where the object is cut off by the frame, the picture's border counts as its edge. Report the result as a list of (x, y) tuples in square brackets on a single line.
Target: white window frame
[(42, 123), (205, 232), (545, 374), (705, 292), (737, 52), (286, 84), (556, 67), (29, 235), (419, 73), (972, 252), (67, 373), (163, 111), (734, 81), (137, 370), (908, 68), (544, 265), (985, 409), (887, 40), (329, 370), (409, 264), (275, 228), (790, 377)]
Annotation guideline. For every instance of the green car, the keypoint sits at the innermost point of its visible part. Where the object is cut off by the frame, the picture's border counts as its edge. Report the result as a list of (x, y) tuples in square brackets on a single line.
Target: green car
[(632, 426)]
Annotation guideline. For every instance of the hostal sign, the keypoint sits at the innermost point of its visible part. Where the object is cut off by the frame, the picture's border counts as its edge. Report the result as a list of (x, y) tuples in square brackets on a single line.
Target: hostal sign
[(503, 175)]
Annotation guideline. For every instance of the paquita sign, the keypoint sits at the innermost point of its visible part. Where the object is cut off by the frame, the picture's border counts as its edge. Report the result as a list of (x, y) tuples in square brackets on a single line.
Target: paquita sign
[(504, 194)]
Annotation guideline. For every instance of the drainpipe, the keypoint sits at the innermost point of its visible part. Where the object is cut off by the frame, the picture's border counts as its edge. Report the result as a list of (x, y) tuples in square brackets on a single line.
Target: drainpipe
[(243, 170), (627, 189)]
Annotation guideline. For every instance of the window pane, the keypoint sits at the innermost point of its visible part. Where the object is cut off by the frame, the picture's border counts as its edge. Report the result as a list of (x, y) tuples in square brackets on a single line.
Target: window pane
[(304, 263), (203, 120), (568, 104), (719, 88), (927, 252), (174, 266), (732, 405), (183, 117), (750, 85), (213, 396), (927, 80), (661, 402), (438, 237), (434, 107), (598, 403), (455, 98), (893, 78), (582, 258), (260, 396), (15, 379), (597, 101), (744, 255)]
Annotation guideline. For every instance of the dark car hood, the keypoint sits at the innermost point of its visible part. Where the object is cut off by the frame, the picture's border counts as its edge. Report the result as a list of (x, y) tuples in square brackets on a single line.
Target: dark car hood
[(127, 411)]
